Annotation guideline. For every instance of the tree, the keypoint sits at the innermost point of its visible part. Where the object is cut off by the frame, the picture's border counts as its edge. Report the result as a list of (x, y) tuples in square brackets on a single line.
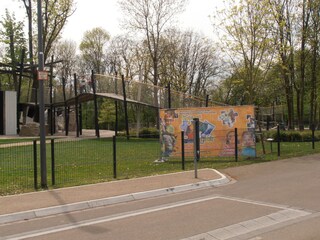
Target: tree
[(190, 62), (121, 56), (314, 49), (151, 17), (107, 113), (54, 14), (93, 47), (300, 83), (246, 41), (65, 51), (13, 38), (284, 14)]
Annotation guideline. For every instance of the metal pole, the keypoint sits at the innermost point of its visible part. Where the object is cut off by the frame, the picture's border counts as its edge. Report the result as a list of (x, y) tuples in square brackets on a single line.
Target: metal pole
[(66, 112), (207, 100), (169, 95), (76, 104), (125, 105), (196, 146), (114, 138), (53, 176), (236, 143), (278, 139), (313, 137), (51, 95), (96, 121), (182, 150), (43, 162), (80, 119), (35, 167), (19, 88), (116, 123)]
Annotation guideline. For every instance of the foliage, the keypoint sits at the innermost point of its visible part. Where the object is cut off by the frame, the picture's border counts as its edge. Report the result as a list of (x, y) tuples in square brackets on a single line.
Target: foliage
[(293, 135), (149, 133), (12, 36), (247, 43), (107, 113), (55, 15), (92, 48)]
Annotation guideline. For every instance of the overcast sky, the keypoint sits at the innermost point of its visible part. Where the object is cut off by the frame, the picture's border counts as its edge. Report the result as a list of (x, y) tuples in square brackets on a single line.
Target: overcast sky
[(106, 14)]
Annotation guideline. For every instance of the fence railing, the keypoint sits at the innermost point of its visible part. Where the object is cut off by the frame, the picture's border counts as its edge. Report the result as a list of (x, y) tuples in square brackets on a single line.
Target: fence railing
[(81, 161), (16, 167)]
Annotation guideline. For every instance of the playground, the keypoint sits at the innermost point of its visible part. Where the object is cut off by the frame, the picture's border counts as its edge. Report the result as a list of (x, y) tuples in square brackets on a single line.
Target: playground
[(81, 151)]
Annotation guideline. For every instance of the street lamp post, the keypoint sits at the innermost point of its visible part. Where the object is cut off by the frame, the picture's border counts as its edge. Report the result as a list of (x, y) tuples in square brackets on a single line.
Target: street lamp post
[(43, 162)]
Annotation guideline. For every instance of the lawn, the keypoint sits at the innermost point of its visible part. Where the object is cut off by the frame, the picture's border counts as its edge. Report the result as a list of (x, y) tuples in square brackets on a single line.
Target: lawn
[(84, 161)]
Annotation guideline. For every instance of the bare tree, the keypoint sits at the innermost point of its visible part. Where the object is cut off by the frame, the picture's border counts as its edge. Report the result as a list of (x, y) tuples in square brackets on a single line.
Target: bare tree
[(65, 51), (190, 62), (151, 17), (120, 56), (55, 14)]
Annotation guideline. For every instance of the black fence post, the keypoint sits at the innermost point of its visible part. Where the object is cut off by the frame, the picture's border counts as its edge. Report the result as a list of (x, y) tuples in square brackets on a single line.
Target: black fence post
[(51, 112), (114, 140), (169, 95), (207, 100), (125, 105), (117, 118), (313, 138), (66, 109), (94, 89), (196, 142), (182, 150), (35, 167), (236, 144), (278, 139), (53, 176), (76, 104)]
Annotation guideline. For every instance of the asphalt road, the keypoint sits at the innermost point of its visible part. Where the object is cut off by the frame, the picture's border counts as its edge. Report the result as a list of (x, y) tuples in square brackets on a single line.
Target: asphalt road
[(276, 200)]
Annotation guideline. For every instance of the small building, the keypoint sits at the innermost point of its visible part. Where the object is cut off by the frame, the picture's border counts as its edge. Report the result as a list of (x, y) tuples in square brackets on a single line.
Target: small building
[(8, 113)]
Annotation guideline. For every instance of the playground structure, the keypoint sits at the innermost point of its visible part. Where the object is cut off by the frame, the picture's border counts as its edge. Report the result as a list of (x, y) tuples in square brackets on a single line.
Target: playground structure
[(64, 100), (121, 91)]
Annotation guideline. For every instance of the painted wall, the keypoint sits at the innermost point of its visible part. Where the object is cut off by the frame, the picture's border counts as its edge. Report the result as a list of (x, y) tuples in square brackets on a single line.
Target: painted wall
[(217, 130)]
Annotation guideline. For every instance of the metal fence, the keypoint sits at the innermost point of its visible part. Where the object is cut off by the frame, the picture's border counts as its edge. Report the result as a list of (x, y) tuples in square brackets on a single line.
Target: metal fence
[(80, 161), (16, 167)]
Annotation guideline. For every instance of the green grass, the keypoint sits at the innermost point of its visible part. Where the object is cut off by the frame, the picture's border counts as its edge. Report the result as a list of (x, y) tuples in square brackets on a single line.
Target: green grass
[(14, 140), (87, 161)]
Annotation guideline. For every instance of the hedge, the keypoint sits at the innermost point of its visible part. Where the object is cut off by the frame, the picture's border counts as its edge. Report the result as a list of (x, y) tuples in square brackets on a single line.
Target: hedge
[(292, 136)]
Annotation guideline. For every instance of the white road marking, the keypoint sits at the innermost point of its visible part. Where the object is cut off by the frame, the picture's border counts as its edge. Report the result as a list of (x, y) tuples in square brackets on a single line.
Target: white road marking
[(104, 219), (252, 225), (285, 214)]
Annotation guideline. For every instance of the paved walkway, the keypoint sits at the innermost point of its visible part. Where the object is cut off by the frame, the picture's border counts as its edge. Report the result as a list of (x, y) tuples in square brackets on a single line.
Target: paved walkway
[(45, 203)]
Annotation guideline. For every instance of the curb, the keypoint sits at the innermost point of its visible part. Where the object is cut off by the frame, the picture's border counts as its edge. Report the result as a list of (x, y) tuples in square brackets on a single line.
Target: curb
[(44, 212)]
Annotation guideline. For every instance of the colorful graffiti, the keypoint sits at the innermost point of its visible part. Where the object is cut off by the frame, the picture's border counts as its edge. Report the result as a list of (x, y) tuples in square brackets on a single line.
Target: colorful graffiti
[(216, 130)]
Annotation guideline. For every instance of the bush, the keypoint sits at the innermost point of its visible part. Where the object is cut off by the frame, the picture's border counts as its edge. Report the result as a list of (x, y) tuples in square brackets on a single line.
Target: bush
[(292, 136), (149, 133)]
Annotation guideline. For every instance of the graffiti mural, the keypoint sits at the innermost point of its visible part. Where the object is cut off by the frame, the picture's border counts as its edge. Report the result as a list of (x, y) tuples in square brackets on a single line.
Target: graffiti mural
[(216, 130)]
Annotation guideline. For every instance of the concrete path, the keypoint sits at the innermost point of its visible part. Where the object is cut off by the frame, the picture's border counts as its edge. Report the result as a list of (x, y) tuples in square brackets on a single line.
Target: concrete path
[(45, 203)]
